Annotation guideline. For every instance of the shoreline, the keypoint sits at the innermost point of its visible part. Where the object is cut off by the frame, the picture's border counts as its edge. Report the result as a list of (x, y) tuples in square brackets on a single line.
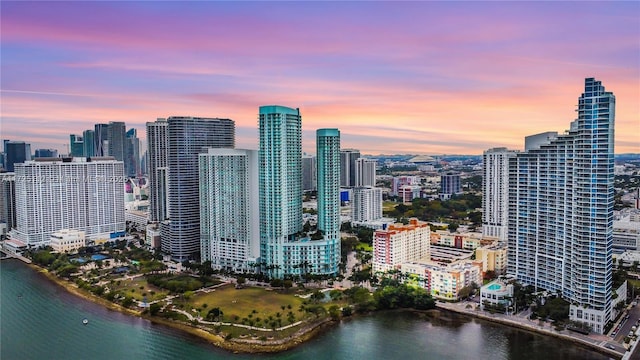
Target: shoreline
[(302, 335), (531, 328)]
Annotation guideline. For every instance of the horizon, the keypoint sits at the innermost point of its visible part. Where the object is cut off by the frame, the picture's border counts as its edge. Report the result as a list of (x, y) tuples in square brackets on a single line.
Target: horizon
[(434, 79)]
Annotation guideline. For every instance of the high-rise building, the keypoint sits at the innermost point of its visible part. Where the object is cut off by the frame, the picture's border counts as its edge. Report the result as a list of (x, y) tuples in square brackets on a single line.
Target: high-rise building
[(116, 137), (366, 204), (229, 217), (131, 153), (328, 160), (188, 136), (495, 192), (309, 175), (101, 139), (68, 193), (365, 172), (158, 160), (280, 175), (89, 142), (398, 244), (449, 185), (7, 202), (76, 145), (561, 210), (42, 153), (16, 152), (348, 159)]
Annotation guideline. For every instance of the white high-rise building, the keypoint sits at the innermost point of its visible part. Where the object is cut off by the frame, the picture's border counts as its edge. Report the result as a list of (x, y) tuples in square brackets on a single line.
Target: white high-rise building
[(85, 194), (366, 205), (366, 172), (495, 192), (229, 217), (157, 157), (561, 210)]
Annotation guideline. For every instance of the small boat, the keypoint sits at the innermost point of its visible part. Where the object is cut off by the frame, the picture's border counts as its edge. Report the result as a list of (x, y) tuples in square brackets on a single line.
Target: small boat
[(85, 321)]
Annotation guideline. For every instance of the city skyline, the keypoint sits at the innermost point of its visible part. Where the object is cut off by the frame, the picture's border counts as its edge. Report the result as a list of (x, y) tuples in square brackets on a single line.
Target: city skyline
[(429, 78)]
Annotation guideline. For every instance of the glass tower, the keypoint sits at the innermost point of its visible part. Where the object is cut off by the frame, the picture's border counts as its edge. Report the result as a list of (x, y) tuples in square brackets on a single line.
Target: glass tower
[(561, 210)]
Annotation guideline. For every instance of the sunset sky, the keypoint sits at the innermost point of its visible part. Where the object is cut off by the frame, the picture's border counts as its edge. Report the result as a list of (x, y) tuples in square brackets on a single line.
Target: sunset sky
[(394, 77)]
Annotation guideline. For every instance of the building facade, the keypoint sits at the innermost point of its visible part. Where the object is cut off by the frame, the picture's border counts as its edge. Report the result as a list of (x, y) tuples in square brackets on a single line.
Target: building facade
[(229, 217), (348, 158), (67, 240), (131, 153), (398, 244), (89, 143), (495, 192), (7, 202), (442, 281), (188, 136), (158, 160), (101, 139), (561, 210), (68, 193), (366, 204), (16, 152), (309, 173), (116, 139), (365, 172), (449, 185)]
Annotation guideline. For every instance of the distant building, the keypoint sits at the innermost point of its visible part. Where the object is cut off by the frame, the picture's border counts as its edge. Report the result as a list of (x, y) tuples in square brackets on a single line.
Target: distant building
[(348, 159), (67, 240), (76, 145), (89, 143), (7, 202), (50, 153), (366, 205), (101, 139), (626, 235), (16, 152), (116, 137), (449, 185), (365, 172), (131, 153), (68, 193), (407, 193), (495, 192), (399, 181), (229, 218), (309, 173)]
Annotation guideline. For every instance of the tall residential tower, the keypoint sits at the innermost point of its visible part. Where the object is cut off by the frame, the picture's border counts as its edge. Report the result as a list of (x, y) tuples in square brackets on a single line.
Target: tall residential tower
[(561, 210), (495, 192)]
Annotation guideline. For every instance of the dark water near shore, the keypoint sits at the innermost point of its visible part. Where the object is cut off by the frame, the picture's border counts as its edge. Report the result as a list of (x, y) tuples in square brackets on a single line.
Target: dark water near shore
[(40, 320)]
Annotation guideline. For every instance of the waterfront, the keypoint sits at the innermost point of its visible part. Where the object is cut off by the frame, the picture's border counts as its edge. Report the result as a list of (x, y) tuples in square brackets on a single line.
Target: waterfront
[(39, 319)]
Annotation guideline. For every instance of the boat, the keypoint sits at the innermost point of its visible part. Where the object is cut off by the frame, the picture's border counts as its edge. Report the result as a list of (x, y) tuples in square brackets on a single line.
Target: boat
[(85, 321)]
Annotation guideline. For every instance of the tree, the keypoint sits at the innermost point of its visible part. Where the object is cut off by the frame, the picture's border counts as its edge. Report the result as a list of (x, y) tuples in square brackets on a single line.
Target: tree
[(154, 308), (214, 314), (241, 280), (287, 284), (453, 226)]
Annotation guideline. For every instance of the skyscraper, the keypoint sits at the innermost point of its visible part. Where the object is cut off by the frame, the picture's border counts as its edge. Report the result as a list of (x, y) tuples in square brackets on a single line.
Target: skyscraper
[(116, 137), (131, 153), (449, 185), (65, 193), (309, 176), (40, 153), (89, 142), (158, 163), (188, 136), (365, 172), (280, 174), (495, 192), (101, 139), (229, 218), (366, 204), (76, 145), (348, 159), (328, 153), (7, 202), (561, 210), (16, 152)]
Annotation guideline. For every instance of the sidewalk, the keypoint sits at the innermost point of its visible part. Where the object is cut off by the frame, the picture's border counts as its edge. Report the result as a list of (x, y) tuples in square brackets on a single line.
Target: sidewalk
[(595, 341)]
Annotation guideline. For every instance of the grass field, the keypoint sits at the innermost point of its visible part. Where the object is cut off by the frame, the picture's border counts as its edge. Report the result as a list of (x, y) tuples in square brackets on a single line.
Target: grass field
[(364, 247), (151, 292), (250, 303), (388, 206)]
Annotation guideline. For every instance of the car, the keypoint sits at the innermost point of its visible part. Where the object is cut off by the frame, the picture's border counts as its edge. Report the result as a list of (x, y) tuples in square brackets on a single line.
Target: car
[(611, 347), (614, 333)]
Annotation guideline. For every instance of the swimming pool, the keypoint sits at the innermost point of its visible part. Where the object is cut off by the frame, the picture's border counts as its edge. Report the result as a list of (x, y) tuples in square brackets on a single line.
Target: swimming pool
[(98, 257), (494, 287)]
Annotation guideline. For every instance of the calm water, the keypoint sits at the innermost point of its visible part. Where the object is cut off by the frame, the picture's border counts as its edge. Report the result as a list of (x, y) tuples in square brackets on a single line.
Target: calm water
[(39, 320)]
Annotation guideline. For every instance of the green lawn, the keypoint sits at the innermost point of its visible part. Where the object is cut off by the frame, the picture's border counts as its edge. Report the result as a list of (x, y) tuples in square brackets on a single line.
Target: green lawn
[(364, 247), (151, 292), (388, 206), (241, 303)]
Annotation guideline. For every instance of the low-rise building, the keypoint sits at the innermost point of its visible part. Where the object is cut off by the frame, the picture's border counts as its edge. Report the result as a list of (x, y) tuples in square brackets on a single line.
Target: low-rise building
[(493, 258), (497, 294), (443, 281), (67, 240)]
